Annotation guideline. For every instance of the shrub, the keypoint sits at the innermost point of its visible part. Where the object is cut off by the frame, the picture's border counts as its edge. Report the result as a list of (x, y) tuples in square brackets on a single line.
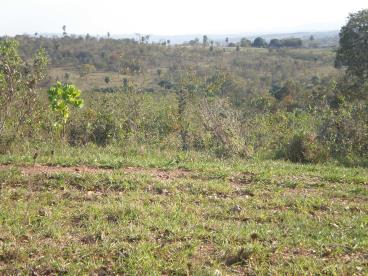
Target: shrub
[(98, 128), (6, 141), (345, 131), (305, 148), (222, 128), (104, 130), (78, 134)]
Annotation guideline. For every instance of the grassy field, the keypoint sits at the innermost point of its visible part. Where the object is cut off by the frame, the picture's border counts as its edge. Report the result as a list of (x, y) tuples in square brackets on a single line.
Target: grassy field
[(160, 215)]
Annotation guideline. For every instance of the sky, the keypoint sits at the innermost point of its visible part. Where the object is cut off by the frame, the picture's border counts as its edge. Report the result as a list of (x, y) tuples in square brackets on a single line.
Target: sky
[(174, 17)]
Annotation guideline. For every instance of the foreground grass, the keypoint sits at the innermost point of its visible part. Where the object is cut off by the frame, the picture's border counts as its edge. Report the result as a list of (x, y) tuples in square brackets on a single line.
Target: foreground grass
[(217, 217)]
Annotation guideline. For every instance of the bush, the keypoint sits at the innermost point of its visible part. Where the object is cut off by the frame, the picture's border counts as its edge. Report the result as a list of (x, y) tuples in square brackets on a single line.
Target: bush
[(104, 130), (98, 128), (345, 131), (305, 148), (78, 134), (6, 141), (221, 128)]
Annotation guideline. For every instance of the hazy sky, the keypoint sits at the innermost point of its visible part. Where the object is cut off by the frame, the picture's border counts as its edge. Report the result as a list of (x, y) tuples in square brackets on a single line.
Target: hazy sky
[(170, 17)]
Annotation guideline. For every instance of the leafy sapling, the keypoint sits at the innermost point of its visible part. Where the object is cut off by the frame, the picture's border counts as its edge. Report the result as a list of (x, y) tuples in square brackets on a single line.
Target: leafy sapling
[(61, 98)]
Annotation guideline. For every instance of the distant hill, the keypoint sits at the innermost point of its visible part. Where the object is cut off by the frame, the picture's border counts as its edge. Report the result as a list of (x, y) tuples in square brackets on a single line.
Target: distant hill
[(327, 38)]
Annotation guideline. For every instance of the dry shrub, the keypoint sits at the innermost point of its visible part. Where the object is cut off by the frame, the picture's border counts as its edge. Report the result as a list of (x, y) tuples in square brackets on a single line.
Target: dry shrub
[(305, 148), (222, 124)]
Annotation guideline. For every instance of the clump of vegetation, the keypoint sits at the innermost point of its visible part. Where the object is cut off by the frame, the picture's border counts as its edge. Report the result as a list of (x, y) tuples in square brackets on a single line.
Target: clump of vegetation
[(305, 148), (19, 109), (61, 98), (230, 100)]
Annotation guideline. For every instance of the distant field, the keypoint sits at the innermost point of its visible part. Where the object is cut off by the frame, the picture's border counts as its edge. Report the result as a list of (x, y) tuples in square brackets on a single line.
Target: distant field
[(247, 64), (190, 217)]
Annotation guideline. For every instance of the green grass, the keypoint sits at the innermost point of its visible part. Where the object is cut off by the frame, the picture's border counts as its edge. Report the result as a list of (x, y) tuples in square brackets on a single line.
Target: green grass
[(233, 217)]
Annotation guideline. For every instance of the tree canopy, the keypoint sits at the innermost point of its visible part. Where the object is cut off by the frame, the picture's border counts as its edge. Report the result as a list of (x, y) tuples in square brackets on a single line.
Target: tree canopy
[(353, 50), (260, 42)]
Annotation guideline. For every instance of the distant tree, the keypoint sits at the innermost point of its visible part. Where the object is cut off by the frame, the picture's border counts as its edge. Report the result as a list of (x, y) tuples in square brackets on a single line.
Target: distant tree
[(125, 82), (244, 42), (64, 30), (237, 48), (147, 38), (107, 79), (168, 42), (108, 34), (292, 42), (311, 38), (194, 41), (260, 42), (205, 40), (287, 42), (159, 72), (275, 43), (128, 86), (227, 40), (353, 50)]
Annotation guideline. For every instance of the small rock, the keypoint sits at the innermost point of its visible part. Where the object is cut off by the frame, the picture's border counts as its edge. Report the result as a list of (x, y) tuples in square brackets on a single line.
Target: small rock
[(90, 194), (236, 208)]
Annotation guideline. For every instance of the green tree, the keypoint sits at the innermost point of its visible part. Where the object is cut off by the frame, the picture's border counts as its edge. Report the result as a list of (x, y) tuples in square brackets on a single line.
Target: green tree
[(353, 50), (244, 42), (61, 98), (260, 42)]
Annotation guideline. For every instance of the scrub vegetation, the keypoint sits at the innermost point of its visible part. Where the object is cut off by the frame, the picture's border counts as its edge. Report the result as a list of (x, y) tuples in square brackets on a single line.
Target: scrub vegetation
[(124, 156)]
